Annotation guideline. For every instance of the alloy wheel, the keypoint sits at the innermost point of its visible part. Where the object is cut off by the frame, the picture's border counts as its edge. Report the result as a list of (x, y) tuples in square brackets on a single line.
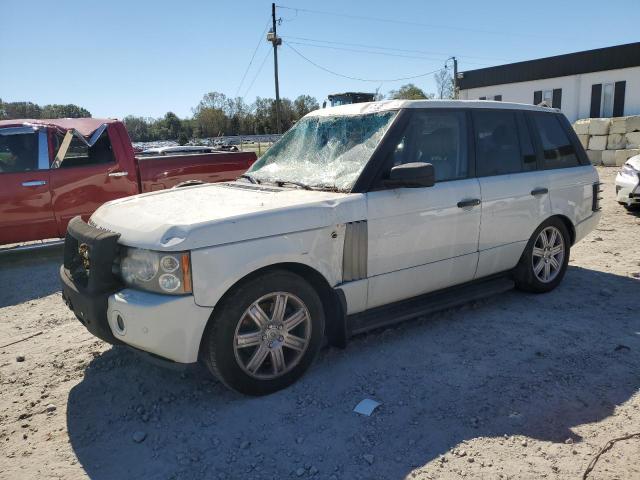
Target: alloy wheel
[(548, 254), (272, 335)]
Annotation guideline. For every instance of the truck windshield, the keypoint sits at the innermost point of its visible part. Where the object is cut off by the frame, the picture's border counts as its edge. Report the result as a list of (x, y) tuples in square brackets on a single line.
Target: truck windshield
[(325, 152)]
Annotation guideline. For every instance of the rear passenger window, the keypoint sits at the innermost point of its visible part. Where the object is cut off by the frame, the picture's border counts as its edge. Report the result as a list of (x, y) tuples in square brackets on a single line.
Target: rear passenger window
[(80, 154), (558, 152), (497, 143)]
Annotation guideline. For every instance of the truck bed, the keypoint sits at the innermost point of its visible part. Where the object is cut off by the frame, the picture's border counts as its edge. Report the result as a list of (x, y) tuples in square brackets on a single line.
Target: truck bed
[(165, 171)]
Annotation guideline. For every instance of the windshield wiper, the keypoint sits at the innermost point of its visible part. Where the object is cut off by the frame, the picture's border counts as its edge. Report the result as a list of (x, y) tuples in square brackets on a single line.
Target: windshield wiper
[(282, 183), (250, 178)]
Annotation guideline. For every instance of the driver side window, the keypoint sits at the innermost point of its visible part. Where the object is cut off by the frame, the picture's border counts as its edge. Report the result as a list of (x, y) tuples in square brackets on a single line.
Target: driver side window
[(18, 153), (438, 138)]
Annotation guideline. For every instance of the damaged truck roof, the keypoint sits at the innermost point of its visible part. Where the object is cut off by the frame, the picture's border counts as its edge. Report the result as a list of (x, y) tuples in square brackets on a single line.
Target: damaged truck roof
[(84, 126)]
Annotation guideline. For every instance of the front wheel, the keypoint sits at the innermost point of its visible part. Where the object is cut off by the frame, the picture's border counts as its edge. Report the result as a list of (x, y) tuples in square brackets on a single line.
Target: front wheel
[(265, 333), (544, 261)]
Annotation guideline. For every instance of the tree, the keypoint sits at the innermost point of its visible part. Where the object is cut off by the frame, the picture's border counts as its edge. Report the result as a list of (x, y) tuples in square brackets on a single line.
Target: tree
[(172, 124), (64, 111), (305, 104), (138, 128), (444, 83), (409, 92), (22, 110)]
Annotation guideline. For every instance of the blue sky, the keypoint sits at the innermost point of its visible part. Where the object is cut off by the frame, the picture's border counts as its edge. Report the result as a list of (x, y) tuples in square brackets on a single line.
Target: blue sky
[(120, 57)]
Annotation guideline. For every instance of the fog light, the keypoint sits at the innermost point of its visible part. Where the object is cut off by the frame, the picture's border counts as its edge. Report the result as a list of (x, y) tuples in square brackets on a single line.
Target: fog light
[(120, 323)]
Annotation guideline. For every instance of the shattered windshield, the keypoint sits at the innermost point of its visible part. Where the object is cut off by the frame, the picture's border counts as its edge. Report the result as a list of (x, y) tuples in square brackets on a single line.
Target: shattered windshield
[(323, 152)]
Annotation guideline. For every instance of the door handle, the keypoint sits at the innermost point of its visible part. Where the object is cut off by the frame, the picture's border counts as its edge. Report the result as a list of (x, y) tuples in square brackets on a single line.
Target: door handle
[(539, 191), (469, 203), (118, 174), (34, 183)]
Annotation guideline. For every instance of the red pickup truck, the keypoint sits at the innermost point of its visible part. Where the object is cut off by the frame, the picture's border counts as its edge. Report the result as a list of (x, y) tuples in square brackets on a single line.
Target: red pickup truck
[(53, 170)]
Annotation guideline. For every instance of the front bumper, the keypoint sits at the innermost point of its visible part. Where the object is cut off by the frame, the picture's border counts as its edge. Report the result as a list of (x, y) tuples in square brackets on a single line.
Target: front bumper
[(164, 325), (628, 189)]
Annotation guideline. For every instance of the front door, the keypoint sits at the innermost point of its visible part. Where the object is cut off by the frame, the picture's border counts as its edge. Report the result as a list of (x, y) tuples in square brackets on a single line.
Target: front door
[(425, 239), (87, 177), (25, 199)]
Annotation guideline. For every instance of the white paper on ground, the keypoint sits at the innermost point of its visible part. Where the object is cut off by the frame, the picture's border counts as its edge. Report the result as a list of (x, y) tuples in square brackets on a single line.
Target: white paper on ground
[(366, 407)]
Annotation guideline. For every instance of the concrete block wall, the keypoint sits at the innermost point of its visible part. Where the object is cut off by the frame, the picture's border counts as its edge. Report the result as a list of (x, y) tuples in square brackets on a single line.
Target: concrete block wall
[(609, 141)]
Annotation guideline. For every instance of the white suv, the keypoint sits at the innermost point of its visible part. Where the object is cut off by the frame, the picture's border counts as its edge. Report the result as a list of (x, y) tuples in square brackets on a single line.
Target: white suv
[(360, 216)]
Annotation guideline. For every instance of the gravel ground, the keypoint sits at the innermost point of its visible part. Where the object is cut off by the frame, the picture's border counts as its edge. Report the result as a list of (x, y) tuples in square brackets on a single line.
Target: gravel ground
[(517, 386)]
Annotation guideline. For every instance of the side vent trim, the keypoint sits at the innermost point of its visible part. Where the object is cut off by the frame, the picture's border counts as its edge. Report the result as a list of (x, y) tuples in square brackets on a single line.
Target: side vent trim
[(355, 253)]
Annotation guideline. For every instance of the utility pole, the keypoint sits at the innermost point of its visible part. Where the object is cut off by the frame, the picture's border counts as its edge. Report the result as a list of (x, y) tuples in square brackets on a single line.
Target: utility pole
[(455, 78), (455, 75), (272, 37)]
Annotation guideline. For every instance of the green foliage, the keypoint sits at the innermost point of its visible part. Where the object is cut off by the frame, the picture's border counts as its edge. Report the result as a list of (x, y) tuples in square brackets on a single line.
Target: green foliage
[(409, 92), (11, 110)]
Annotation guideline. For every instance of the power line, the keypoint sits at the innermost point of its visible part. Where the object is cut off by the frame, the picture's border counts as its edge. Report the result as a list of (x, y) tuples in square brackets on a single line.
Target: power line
[(442, 59), (288, 44), (257, 73), (418, 24), (252, 57), (393, 49)]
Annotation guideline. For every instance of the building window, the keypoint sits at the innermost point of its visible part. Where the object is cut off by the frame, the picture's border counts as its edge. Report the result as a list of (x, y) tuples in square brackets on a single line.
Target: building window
[(482, 98), (606, 103), (551, 98), (607, 99), (498, 98)]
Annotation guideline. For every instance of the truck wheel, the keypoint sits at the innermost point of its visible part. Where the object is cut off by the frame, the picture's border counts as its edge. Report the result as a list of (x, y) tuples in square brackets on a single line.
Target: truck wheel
[(265, 333), (545, 259)]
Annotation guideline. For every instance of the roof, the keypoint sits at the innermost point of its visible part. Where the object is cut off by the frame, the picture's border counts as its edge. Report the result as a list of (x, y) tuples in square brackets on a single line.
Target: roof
[(388, 105), (600, 59), (85, 126)]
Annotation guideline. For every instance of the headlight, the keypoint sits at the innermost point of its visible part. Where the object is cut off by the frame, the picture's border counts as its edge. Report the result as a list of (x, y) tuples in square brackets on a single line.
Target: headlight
[(162, 272)]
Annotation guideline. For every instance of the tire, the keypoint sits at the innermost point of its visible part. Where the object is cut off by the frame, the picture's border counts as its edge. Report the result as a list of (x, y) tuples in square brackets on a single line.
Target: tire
[(538, 261), (632, 208), (252, 347)]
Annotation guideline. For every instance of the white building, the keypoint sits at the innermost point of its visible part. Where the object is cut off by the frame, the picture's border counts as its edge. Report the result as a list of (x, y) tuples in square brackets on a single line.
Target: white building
[(595, 83)]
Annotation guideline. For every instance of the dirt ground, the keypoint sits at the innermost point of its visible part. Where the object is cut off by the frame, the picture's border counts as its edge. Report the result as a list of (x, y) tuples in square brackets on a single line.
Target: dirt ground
[(518, 386)]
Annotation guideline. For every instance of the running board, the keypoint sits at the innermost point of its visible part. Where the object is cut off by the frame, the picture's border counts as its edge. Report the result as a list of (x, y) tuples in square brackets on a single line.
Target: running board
[(425, 304)]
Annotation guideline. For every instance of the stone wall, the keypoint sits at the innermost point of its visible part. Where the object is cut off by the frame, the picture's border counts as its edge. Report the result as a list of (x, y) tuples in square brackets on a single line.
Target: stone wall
[(609, 141)]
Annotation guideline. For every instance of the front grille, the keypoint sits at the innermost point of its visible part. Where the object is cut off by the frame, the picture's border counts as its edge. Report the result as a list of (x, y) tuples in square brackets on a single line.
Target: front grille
[(89, 254)]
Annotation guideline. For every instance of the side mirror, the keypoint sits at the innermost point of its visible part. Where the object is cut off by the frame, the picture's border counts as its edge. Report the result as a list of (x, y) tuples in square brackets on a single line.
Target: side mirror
[(412, 175)]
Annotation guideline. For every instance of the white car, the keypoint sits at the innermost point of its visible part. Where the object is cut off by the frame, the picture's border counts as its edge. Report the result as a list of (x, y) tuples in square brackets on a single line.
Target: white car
[(360, 216), (628, 183)]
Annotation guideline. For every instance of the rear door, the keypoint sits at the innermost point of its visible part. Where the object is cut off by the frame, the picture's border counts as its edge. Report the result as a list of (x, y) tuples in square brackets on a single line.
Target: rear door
[(515, 192), (86, 177), (570, 175), (424, 239), (25, 201)]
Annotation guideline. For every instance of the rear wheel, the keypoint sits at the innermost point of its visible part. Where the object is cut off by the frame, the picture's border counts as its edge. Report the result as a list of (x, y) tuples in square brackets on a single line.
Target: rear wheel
[(265, 334), (544, 262)]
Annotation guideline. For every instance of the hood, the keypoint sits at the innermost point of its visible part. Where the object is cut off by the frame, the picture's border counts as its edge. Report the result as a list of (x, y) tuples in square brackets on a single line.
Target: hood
[(214, 214)]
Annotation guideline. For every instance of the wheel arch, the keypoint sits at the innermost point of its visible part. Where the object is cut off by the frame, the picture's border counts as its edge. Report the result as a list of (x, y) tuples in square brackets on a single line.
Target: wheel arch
[(333, 301), (568, 224)]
